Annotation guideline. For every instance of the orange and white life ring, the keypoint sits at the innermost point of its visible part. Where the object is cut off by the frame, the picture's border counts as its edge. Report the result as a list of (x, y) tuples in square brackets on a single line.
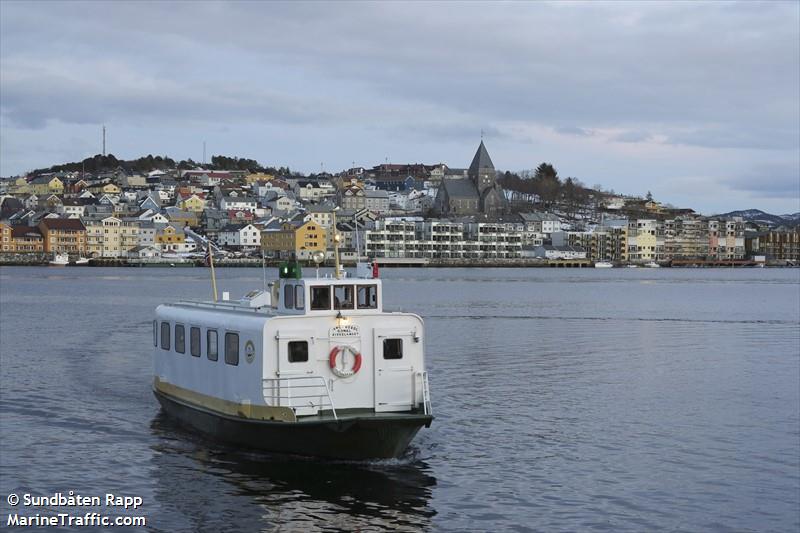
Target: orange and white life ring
[(342, 373)]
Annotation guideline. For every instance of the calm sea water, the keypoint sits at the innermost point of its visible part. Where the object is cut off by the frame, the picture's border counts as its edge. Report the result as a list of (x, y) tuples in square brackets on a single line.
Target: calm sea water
[(566, 400)]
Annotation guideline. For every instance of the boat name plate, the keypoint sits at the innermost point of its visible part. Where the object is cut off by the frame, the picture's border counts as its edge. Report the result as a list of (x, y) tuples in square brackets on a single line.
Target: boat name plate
[(347, 330)]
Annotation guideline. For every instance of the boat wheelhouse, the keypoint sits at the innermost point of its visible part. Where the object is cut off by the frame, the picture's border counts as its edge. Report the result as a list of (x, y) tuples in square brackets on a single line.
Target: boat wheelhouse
[(312, 366)]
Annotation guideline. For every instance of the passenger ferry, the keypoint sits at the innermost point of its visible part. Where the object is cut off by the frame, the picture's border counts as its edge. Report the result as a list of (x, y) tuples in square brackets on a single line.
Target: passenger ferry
[(309, 366)]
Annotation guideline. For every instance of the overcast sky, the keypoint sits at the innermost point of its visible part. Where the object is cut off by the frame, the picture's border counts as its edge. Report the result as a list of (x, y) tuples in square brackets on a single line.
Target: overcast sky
[(698, 102)]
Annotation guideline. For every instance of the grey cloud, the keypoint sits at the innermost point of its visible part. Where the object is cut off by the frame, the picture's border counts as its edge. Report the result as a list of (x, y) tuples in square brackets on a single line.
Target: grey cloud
[(414, 75), (753, 137), (633, 136), (769, 181), (645, 65), (574, 130)]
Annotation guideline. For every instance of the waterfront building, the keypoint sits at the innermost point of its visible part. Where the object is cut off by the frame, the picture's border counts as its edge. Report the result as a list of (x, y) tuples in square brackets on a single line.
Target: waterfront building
[(239, 236), (63, 235), (608, 242), (168, 238), (20, 239), (495, 240), (781, 244), (688, 237), (6, 243), (393, 237), (299, 237), (414, 237), (731, 246), (110, 236), (645, 240)]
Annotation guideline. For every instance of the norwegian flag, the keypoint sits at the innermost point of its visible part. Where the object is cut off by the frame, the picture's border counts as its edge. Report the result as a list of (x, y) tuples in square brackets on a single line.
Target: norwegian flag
[(209, 251)]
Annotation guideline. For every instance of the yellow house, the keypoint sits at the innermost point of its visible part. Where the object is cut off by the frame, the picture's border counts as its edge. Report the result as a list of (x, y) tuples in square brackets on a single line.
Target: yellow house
[(169, 235), (46, 185), (258, 176), (653, 207), (105, 188), (193, 203), (20, 186), (297, 237)]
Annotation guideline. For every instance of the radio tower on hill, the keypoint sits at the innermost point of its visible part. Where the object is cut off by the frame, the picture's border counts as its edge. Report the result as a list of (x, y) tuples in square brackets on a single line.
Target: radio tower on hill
[(104, 140)]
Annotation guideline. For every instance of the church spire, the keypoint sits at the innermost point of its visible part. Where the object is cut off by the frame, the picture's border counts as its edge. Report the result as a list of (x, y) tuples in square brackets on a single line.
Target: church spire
[(481, 161)]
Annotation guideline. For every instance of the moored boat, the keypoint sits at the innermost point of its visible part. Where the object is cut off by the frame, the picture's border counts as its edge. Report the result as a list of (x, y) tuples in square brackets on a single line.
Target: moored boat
[(312, 366), (59, 259), (603, 264)]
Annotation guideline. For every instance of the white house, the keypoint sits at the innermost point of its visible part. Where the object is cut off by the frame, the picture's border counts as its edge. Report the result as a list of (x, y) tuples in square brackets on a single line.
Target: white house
[(238, 203), (239, 236)]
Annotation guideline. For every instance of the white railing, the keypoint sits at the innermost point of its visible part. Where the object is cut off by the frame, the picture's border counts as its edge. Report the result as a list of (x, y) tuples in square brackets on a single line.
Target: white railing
[(427, 408), (298, 392)]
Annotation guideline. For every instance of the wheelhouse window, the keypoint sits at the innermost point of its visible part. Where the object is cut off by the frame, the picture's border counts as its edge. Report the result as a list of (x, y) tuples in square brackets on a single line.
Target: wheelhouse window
[(232, 348), (155, 333), (180, 338), (298, 351), (212, 350), (165, 335), (194, 341), (392, 348), (299, 300), (343, 297), (288, 296), (320, 298), (367, 296)]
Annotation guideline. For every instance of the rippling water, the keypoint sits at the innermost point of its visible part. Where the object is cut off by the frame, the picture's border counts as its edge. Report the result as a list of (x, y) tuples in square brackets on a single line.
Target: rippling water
[(623, 400)]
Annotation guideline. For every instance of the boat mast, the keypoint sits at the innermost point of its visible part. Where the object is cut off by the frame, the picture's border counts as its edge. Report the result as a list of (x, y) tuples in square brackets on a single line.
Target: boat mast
[(211, 264), (335, 246), (210, 252)]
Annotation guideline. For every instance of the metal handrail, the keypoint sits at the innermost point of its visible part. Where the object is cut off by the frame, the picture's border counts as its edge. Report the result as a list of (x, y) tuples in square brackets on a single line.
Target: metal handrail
[(272, 391), (427, 408)]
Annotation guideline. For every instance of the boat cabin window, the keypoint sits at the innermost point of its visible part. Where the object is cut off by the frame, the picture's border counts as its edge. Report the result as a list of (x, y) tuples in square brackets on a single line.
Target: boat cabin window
[(165, 335), (155, 333), (367, 296), (211, 345), (194, 341), (320, 298), (343, 297), (288, 296), (180, 338), (232, 348), (299, 300), (392, 348), (298, 351)]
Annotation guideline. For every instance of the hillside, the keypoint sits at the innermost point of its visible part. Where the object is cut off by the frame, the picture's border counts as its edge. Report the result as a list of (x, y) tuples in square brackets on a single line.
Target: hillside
[(760, 217)]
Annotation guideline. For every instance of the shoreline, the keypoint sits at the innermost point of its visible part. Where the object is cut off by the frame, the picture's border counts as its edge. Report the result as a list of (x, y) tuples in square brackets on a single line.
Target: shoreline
[(396, 263)]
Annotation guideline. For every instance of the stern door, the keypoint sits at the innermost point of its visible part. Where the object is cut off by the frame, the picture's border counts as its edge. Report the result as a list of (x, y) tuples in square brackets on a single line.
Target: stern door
[(294, 385), (394, 352)]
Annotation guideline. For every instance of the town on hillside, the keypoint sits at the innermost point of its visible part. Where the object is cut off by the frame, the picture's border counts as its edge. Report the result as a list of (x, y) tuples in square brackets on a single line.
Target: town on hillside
[(154, 211)]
